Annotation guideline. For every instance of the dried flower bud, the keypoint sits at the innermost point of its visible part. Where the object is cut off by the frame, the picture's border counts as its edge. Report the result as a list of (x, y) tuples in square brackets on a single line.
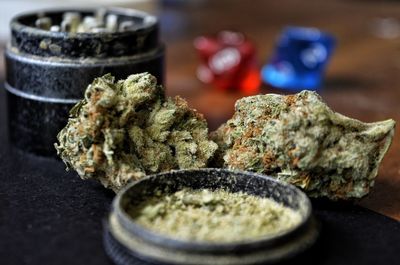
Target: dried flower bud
[(298, 139), (123, 130)]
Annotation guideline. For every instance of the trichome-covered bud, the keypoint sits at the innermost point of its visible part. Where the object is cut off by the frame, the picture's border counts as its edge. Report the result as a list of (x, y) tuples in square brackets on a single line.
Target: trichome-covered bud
[(123, 130), (298, 139)]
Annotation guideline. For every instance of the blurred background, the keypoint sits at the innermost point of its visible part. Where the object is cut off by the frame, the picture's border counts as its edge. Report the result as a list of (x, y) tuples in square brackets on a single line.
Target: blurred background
[(362, 79)]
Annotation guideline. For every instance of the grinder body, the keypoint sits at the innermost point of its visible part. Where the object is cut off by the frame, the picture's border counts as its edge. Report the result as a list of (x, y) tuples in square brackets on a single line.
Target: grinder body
[(47, 72)]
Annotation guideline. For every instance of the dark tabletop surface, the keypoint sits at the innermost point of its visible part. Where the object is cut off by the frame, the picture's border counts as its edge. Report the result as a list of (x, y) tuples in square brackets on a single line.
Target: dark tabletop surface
[(49, 216)]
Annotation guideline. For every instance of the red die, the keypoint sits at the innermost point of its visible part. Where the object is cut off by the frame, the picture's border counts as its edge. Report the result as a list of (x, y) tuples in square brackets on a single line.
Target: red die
[(229, 62)]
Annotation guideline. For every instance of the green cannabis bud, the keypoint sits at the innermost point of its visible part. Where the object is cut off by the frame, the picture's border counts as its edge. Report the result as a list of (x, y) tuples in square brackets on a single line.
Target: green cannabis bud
[(298, 139), (123, 130)]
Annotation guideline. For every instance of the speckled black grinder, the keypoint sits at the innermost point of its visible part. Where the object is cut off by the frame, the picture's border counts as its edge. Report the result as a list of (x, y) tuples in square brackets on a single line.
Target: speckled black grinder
[(48, 71), (128, 243)]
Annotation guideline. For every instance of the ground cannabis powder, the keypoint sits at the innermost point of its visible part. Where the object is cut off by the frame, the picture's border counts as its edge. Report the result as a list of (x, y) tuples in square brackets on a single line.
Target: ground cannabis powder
[(213, 216)]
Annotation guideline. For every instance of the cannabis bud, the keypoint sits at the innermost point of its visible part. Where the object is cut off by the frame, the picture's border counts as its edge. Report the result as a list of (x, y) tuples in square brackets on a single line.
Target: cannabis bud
[(298, 139), (123, 130)]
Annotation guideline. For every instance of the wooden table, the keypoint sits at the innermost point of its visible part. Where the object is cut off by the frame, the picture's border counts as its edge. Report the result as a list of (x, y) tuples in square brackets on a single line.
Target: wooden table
[(363, 79)]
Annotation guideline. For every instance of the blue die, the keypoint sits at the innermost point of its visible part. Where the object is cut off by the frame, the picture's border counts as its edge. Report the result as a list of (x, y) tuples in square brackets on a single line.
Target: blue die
[(299, 60)]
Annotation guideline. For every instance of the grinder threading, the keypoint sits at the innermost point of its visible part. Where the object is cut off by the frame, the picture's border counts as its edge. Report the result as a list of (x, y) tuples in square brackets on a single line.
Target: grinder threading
[(53, 55)]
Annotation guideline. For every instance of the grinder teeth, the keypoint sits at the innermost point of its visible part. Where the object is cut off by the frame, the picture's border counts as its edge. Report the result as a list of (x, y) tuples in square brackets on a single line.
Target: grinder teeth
[(73, 22)]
